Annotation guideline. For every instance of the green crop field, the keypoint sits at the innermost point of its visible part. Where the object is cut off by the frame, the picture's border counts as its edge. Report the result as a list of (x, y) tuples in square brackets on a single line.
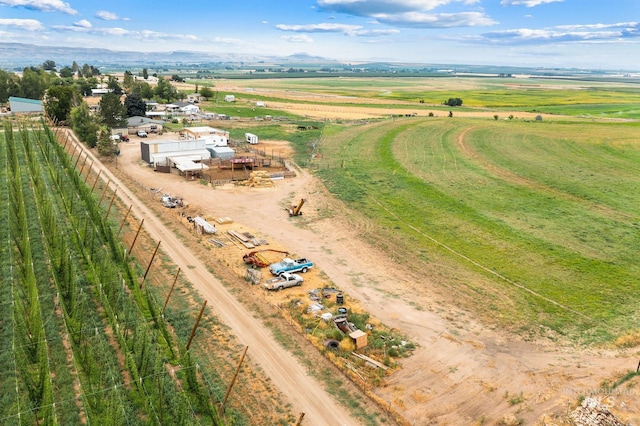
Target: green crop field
[(82, 341), (538, 220)]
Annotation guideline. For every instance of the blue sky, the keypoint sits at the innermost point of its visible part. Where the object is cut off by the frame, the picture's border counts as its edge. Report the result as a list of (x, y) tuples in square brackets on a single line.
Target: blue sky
[(547, 33)]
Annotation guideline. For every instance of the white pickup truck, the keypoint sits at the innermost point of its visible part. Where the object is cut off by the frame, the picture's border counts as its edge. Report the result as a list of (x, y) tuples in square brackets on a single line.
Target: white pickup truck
[(285, 280)]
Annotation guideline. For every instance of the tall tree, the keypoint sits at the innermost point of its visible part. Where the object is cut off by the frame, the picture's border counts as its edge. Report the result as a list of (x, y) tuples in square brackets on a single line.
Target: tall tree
[(112, 112), (84, 125), (143, 89), (9, 86), (136, 107), (60, 100), (49, 65), (145, 73), (114, 86), (164, 90), (106, 146), (128, 81), (206, 92), (34, 83), (86, 71), (66, 72)]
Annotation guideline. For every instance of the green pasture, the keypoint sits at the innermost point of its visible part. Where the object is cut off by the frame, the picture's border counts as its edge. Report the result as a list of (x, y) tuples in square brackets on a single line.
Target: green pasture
[(533, 225)]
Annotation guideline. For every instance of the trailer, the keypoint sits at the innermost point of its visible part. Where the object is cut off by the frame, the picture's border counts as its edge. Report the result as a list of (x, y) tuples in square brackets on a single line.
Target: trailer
[(251, 138)]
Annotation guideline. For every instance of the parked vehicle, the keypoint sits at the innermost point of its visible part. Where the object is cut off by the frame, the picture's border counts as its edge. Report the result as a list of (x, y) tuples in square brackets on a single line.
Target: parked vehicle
[(123, 137), (142, 133), (285, 280), (290, 265)]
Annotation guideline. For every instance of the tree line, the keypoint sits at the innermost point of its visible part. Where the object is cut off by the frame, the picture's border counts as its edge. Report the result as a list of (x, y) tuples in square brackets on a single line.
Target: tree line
[(63, 92)]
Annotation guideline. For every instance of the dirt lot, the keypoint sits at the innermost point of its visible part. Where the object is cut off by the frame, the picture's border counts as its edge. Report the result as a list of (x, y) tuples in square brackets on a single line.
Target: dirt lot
[(462, 372)]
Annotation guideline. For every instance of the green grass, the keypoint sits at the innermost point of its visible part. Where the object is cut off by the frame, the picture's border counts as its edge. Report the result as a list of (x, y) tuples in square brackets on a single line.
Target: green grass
[(538, 220)]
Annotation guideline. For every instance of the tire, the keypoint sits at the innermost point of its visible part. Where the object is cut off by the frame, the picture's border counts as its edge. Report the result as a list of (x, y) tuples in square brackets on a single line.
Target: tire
[(305, 269), (280, 288)]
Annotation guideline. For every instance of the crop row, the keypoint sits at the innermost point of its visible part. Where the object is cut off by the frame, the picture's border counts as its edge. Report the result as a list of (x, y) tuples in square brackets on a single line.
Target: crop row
[(87, 343)]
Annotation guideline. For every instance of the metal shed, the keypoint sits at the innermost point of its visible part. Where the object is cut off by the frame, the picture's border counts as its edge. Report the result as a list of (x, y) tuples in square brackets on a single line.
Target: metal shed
[(222, 152), (24, 105)]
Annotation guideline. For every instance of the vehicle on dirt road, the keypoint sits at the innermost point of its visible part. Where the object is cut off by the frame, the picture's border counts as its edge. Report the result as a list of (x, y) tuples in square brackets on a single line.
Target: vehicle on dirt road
[(290, 265), (285, 280), (141, 133)]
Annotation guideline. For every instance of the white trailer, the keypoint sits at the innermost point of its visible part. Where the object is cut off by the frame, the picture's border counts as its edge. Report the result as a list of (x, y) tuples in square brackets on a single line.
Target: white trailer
[(251, 138)]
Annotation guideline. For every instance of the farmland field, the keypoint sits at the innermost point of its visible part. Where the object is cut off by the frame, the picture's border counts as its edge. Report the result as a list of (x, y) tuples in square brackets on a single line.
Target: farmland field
[(541, 215), (518, 212), (538, 217)]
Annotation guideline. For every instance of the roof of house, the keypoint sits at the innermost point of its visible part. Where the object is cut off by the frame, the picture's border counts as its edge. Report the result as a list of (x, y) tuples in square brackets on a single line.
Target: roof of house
[(141, 121), (25, 100)]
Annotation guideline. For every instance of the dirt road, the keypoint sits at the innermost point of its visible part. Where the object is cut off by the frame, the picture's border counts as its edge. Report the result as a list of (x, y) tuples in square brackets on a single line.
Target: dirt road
[(304, 392)]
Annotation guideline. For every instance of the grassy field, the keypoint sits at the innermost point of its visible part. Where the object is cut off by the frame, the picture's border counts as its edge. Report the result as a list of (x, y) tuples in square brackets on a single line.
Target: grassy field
[(539, 219)]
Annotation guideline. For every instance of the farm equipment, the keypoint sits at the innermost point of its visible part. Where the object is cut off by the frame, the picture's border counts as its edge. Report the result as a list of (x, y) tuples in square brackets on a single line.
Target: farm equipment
[(256, 258), (295, 210)]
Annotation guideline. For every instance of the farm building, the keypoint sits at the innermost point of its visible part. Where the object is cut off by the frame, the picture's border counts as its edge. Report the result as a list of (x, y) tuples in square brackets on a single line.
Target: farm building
[(143, 123), (204, 132), (194, 97), (171, 152), (24, 105), (221, 152)]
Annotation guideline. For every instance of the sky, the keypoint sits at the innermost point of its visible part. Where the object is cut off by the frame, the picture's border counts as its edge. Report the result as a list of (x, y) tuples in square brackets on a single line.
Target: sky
[(591, 34)]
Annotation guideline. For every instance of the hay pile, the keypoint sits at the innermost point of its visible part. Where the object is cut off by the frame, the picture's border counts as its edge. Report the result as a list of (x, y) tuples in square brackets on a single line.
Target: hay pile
[(259, 179)]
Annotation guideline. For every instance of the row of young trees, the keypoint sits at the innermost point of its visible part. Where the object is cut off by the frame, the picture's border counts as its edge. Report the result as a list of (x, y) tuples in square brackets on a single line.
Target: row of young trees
[(82, 341)]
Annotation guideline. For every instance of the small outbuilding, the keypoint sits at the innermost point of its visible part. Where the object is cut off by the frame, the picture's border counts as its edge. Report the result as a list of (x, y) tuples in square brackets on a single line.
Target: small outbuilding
[(25, 106), (221, 152), (204, 132), (359, 338)]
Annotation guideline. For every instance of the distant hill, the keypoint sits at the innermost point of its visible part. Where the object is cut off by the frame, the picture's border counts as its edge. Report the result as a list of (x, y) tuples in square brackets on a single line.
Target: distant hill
[(16, 56)]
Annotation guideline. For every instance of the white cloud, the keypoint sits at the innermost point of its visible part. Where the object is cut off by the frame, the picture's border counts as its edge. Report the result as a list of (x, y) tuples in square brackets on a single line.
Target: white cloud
[(106, 16), (566, 33), (82, 27), (371, 7), (42, 5), (440, 20), (298, 38), (83, 23), (320, 28), (527, 3), (410, 13), (23, 24)]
